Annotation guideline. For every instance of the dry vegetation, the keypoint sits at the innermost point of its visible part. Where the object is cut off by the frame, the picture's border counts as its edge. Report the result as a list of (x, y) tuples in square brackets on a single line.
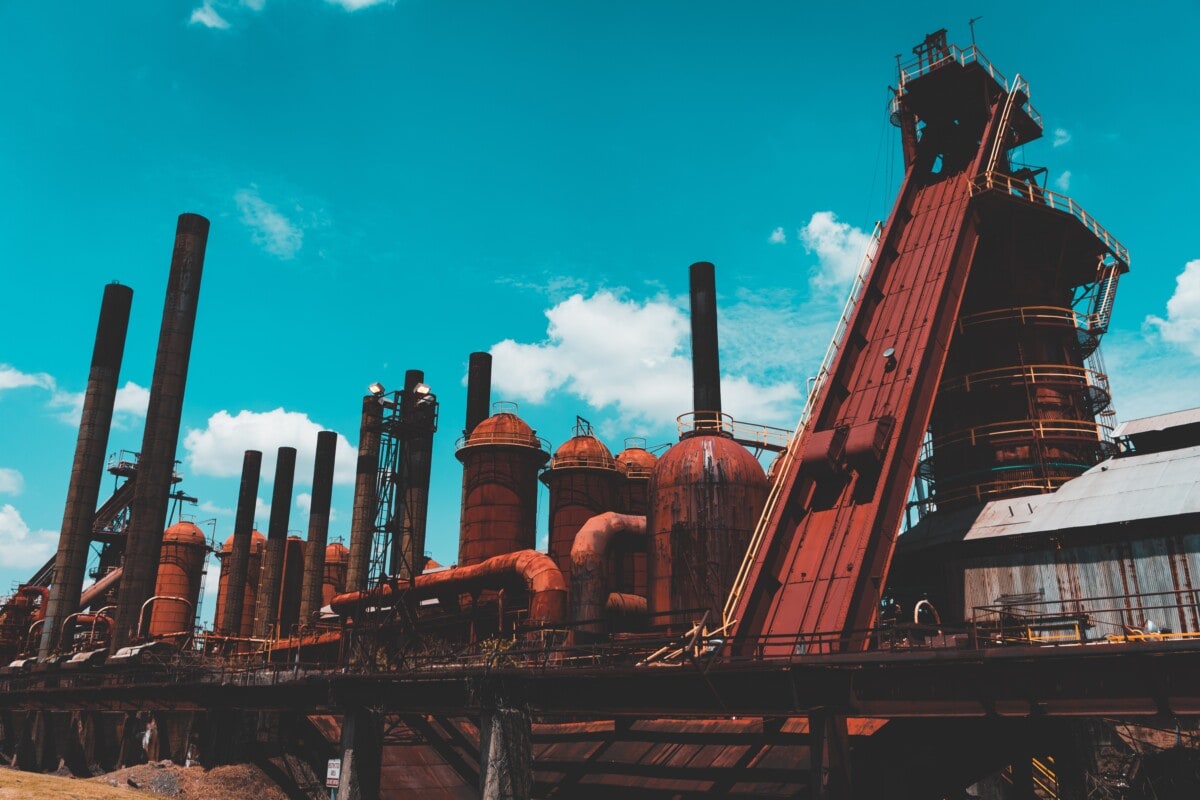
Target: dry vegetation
[(223, 783)]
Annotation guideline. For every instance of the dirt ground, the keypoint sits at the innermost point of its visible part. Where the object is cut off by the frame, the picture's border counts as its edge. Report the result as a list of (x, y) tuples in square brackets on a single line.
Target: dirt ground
[(222, 783)]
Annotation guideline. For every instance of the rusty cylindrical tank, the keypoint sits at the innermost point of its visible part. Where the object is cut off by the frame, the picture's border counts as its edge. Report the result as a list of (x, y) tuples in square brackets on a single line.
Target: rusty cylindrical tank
[(91, 444), (229, 617), (244, 625), (318, 524), (582, 478), (707, 493), (180, 566), (362, 523), (334, 582), (266, 606), (501, 459), (156, 465), (627, 566)]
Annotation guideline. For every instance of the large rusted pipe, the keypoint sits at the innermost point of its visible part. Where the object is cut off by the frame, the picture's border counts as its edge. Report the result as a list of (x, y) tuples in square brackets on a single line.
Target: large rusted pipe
[(706, 362), (70, 561), (156, 465), (239, 554), (589, 557), (318, 524), (98, 589), (526, 570), (479, 390), (362, 524), (420, 421), (266, 605)]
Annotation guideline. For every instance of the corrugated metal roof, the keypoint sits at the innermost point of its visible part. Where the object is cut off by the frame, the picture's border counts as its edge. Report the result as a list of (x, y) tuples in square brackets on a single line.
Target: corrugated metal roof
[(1160, 422), (1127, 489)]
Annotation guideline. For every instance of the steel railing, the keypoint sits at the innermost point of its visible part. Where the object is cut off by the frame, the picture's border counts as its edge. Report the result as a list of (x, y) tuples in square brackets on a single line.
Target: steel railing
[(994, 180)]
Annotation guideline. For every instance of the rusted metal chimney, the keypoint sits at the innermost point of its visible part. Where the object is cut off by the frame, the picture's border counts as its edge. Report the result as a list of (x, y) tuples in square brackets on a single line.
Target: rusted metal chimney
[(266, 606), (318, 525), (419, 413), (706, 364), (71, 559), (239, 556), (362, 524), (479, 390), (156, 465)]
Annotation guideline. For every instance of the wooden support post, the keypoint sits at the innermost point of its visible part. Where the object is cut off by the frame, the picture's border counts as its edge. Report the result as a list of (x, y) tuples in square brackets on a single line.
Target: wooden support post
[(505, 754), (362, 754), (829, 756)]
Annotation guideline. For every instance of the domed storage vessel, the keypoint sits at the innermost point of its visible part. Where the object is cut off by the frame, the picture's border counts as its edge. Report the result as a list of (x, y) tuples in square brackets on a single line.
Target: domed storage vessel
[(337, 556), (707, 493), (181, 563), (627, 565), (258, 543), (582, 479), (501, 458)]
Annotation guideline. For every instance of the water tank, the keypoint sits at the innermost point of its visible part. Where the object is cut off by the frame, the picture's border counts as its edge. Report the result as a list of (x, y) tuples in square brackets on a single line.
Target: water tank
[(501, 459), (706, 494), (258, 543), (180, 565), (627, 563), (334, 580), (582, 479), (292, 583)]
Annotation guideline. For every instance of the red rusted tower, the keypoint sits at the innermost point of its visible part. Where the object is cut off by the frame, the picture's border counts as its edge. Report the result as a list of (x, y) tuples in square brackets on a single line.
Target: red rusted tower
[(178, 586), (628, 566), (582, 478), (501, 458), (966, 328), (244, 624)]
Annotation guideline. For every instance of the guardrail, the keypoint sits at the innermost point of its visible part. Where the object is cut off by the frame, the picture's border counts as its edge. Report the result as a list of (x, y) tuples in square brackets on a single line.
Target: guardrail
[(765, 437), (1014, 187)]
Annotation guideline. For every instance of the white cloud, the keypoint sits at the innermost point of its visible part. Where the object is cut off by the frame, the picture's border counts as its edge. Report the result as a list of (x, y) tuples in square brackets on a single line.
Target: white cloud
[(627, 356), (1063, 181), (13, 378), (1182, 324), (209, 507), (22, 547), (130, 403), (839, 247), (218, 448), (304, 502), (1061, 136), (777, 236), (356, 5), (209, 17), (270, 229), (262, 514), (11, 481)]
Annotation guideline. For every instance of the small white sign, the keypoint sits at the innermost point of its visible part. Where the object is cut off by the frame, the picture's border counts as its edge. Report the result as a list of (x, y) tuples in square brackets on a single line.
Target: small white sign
[(333, 773)]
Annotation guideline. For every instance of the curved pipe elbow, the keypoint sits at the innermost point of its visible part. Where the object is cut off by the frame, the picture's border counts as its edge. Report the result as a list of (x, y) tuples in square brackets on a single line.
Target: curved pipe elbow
[(530, 570), (589, 583)]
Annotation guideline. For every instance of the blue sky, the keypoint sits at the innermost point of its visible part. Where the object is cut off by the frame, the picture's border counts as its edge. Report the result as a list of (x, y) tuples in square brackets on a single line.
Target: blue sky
[(394, 185)]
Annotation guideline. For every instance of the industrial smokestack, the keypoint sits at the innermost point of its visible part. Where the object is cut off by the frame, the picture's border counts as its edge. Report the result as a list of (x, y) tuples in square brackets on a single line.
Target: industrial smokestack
[(266, 606), (239, 556), (156, 465), (318, 525), (362, 524), (420, 420), (706, 364), (90, 446), (479, 390)]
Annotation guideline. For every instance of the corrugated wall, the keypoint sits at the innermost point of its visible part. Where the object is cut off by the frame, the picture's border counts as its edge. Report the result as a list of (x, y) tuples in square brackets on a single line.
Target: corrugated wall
[(1157, 565)]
